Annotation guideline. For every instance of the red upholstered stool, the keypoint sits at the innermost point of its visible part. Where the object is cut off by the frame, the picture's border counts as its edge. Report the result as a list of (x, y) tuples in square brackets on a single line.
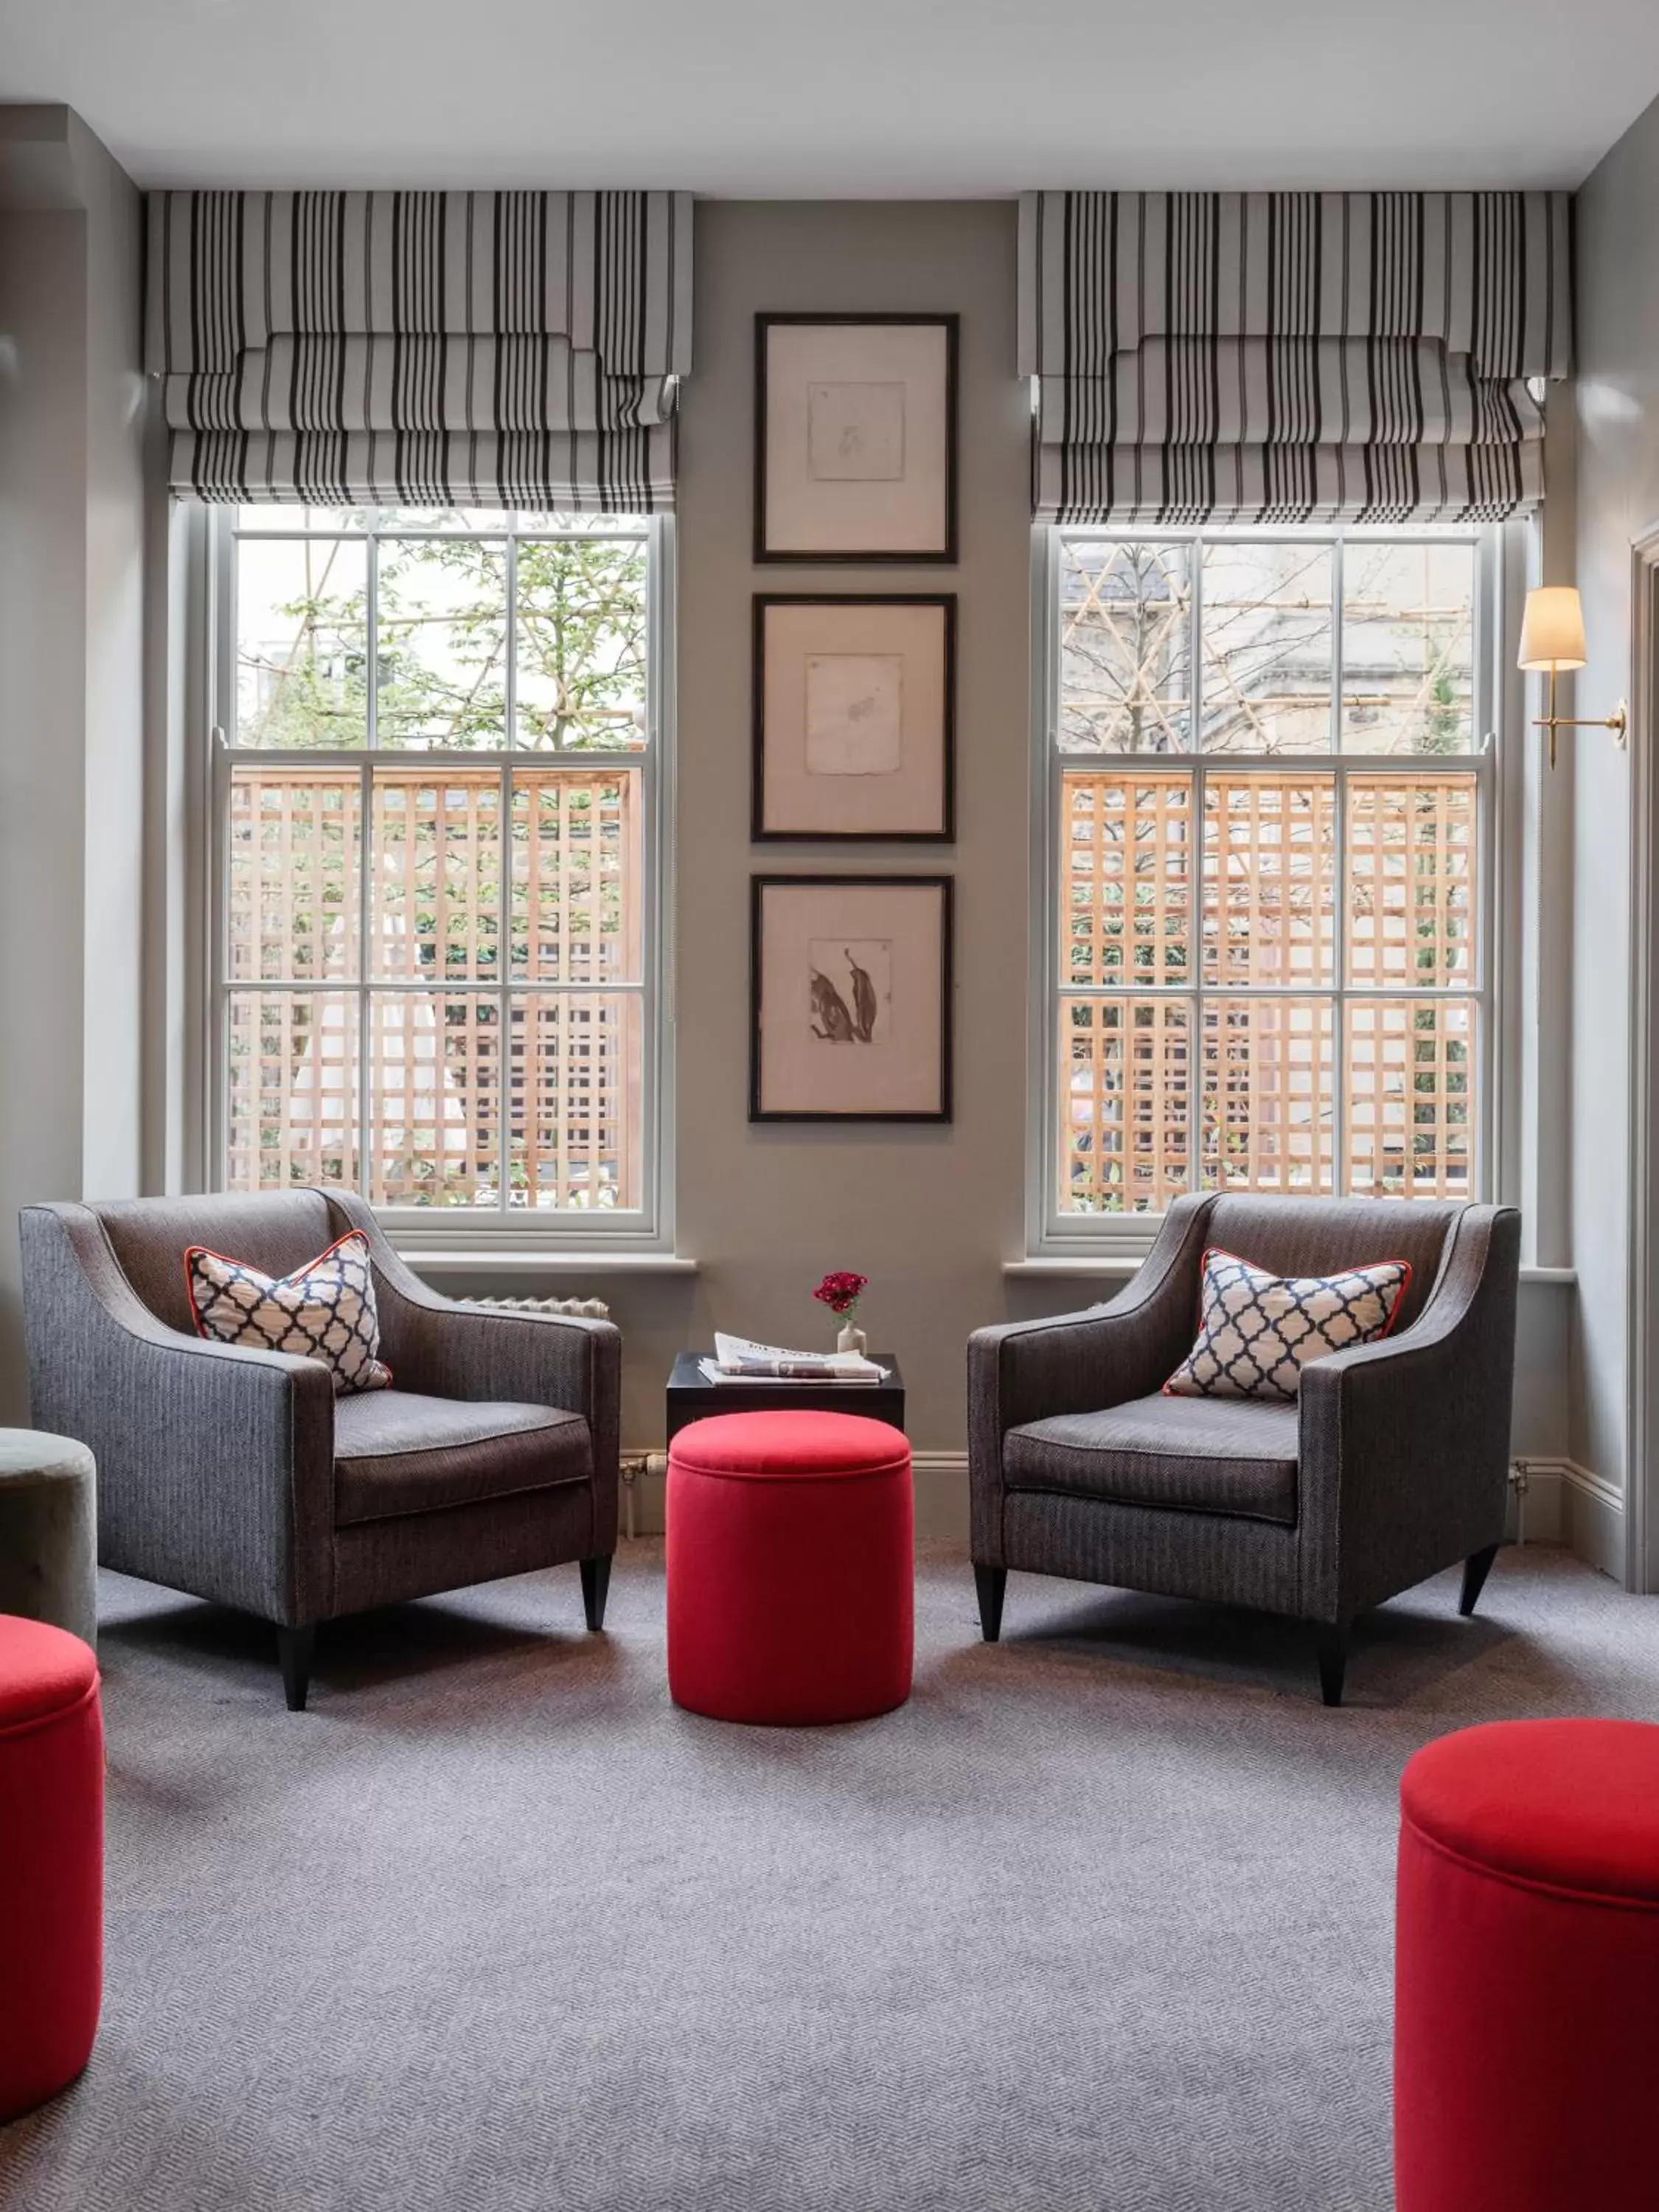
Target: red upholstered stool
[(791, 1568), (51, 1861), (1527, 1998)]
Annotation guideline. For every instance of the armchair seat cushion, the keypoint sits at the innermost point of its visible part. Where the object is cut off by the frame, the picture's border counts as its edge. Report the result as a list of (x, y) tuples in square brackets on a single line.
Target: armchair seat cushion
[(396, 1451), (1228, 1455)]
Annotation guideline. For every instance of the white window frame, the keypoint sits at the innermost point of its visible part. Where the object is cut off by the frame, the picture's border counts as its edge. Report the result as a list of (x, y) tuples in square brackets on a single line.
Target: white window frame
[(1053, 1234), (498, 1232)]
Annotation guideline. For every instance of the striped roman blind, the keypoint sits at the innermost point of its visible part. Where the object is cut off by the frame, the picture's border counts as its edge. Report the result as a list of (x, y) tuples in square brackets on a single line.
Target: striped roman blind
[(1284, 357), (422, 349)]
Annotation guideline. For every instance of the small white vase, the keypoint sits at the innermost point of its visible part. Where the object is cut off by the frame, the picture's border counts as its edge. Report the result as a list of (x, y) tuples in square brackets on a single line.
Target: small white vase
[(851, 1338)]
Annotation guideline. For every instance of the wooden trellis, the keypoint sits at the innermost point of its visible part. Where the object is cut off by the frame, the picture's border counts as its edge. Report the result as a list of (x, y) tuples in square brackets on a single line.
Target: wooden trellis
[(1412, 846), (1411, 1064), (1211, 987), (412, 1052)]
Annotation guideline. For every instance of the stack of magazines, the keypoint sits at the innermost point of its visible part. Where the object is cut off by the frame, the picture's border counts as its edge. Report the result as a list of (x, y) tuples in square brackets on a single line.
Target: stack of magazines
[(737, 1360)]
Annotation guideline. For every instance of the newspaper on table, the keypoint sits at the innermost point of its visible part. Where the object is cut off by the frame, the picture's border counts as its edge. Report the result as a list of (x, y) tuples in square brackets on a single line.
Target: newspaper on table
[(738, 1359)]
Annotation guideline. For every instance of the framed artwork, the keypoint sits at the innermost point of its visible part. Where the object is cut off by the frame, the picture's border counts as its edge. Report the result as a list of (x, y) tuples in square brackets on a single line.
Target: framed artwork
[(854, 707), (849, 995), (855, 438)]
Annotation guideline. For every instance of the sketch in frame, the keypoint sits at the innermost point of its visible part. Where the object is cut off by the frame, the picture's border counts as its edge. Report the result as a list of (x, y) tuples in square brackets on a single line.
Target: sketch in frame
[(854, 713), (850, 1008), (855, 438), (850, 989)]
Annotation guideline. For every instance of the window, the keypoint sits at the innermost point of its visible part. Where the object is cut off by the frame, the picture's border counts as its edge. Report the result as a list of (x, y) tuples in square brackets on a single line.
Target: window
[(1267, 797), (436, 893)]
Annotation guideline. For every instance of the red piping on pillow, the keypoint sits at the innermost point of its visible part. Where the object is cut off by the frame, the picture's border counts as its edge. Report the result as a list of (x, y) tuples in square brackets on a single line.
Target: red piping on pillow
[(1387, 1329), (208, 1253)]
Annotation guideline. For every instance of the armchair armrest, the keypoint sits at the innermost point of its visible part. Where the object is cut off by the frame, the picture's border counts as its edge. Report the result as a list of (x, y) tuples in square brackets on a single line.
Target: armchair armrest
[(215, 1462), (435, 1345), (1076, 1363), (1404, 1444)]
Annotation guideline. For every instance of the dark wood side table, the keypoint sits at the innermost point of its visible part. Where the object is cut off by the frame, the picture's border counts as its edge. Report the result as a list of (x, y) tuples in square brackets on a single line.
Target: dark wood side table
[(693, 1397)]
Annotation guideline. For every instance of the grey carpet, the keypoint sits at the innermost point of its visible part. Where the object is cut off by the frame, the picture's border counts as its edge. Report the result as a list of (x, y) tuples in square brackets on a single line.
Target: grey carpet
[(1101, 1919)]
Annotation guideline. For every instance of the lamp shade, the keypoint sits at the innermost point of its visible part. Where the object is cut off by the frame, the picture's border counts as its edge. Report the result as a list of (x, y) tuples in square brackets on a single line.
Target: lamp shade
[(1552, 629)]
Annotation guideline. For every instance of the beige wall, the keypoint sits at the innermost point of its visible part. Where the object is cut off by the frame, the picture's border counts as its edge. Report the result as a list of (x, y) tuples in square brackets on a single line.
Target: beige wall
[(71, 518), (1617, 393)]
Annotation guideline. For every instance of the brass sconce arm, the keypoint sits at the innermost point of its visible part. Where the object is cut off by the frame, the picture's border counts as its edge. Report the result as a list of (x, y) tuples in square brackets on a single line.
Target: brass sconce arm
[(1617, 721)]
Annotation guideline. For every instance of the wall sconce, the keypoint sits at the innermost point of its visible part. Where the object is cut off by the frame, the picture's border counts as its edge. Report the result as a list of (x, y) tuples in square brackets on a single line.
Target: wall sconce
[(1553, 637)]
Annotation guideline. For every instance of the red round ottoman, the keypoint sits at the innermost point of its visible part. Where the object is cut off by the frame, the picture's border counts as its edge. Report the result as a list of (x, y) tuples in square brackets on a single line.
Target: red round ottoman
[(1526, 1975), (51, 1861), (791, 1572)]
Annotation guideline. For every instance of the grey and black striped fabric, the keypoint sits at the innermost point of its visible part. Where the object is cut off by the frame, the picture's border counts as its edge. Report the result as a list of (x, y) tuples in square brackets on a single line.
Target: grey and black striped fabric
[(422, 349), (1283, 357)]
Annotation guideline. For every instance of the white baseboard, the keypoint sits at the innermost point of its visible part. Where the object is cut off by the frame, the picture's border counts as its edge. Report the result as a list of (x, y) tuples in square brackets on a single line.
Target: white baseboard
[(1566, 1504), (1563, 1503), (941, 1481)]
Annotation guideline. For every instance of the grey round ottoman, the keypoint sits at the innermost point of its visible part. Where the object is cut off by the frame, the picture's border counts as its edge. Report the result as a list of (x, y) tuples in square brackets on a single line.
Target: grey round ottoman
[(48, 1531)]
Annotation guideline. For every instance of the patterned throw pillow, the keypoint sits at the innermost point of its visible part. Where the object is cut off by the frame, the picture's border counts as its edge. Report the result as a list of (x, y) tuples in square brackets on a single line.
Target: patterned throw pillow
[(1256, 1332), (324, 1310)]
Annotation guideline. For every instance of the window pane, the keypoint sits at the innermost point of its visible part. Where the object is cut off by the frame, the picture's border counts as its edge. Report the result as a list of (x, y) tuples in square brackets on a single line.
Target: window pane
[(1266, 1120), (292, 1089), (1408, 649), (434, 1098), (1412, 847), (581, 643), (580, 525), (277, 516), (1269, 880), (436, 881), (576, 862), (576, 1101), (1264, 635), (1126, 647), (1126, 890), (1125, 1077), (1411, 1098), (441, 643), (296, 849), (301, 641), (481, 521)]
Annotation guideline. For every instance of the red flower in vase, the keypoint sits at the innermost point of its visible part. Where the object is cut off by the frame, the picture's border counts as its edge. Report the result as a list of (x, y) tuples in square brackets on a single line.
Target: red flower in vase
[(840, 1291)]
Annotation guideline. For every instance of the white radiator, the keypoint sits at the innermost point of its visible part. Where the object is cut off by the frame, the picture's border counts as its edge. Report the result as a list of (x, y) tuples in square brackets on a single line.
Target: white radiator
[(587, 1309)]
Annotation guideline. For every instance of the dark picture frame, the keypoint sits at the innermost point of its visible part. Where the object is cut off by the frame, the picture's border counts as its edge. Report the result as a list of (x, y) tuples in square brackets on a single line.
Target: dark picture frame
[(945, 554), (939, 1111), (946, 830)]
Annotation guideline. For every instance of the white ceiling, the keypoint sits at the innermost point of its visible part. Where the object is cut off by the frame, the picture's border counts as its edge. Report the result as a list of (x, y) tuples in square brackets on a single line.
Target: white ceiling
[(842, 98)]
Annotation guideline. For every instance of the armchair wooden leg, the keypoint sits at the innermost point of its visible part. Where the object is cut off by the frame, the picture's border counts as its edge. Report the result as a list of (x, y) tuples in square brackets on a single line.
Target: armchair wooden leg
[(596, 1583), (294, 1650), (1476, 1568), (992, 1583), (1333, 1646)]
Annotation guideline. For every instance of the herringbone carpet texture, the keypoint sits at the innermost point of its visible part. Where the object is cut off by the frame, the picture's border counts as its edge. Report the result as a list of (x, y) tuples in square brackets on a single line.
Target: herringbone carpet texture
[(1101, 1921)]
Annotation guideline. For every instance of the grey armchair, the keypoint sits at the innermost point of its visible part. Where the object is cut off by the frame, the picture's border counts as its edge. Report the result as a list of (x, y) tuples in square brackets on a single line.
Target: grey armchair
[(238, 1475), (1391, 1466)]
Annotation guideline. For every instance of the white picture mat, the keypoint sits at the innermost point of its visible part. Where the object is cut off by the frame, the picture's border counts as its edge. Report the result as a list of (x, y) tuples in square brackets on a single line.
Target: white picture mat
[(855, 432), (855, 713), (908, 801), (905, 513), (900, 1072)]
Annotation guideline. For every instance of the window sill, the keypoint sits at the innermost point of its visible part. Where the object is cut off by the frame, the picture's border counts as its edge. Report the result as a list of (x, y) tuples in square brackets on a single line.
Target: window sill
[(453, 1261), (1084, 1265)]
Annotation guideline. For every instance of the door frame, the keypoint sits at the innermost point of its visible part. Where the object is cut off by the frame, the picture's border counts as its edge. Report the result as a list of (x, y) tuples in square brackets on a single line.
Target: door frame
[(1642, 1424)]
